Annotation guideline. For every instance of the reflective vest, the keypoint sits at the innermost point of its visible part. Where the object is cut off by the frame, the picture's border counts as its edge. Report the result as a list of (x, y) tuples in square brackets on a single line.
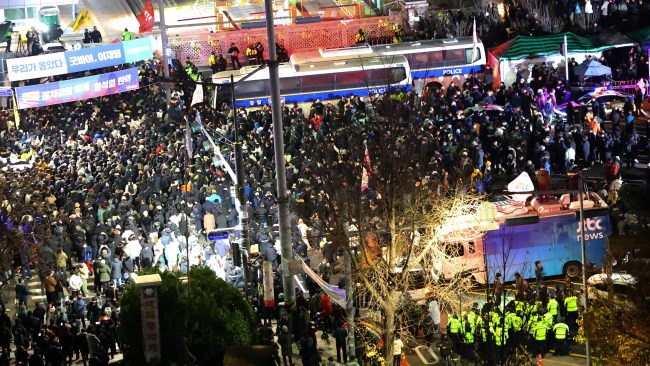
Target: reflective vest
[(453, 325), (561, 330), (553, 306), (548, 319), (539, 331), (126, 36), (250, 52), (500, 337), (212, 60), (468, 337), (519, 306), (571, 303)]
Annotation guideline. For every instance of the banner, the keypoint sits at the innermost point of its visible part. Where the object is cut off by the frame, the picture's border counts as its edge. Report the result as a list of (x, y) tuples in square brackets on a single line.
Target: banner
[(85, 59), (337, 295), (146, 18), (77, 89)]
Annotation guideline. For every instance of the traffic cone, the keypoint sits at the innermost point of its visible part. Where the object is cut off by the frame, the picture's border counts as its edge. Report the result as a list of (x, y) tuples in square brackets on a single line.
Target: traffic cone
[(404, 362), (540, 360)]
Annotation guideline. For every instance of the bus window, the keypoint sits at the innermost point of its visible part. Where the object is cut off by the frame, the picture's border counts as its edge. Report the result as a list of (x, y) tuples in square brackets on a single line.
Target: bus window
[(396, 75), (455, 57), (454, 250), (468, 55), (352, 79), (251, 89), (290, 85), (377, 77), (471, 247), (317, 82), (436, 59), (419, 60)]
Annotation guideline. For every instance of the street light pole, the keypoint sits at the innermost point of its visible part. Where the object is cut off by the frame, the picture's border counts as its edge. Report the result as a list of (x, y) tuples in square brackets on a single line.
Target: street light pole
[(163, 40), (280, 170), (584, 261), (239, 170)]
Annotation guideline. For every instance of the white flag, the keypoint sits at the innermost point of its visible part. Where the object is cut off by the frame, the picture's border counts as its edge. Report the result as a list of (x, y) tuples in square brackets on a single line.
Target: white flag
[(198, 95), (474, 41)]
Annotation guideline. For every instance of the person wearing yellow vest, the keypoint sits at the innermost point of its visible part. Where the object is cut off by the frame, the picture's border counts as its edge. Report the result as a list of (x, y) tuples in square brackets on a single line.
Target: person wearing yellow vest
[(212, 61), (500, 339), (453, 329), (561, 332), (553, 307), (360, 37), (8, 35), (467, 330), (251, 54), (126, 36), (571, 305), (538, 336)]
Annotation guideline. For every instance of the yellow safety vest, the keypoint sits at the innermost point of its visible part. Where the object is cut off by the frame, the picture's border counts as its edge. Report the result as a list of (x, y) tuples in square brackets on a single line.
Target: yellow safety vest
[(571, 303), (561, 330), (552, 306)]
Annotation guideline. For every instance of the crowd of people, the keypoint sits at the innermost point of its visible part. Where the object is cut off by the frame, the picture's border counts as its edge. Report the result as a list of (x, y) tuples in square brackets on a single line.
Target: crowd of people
[(110, 177)]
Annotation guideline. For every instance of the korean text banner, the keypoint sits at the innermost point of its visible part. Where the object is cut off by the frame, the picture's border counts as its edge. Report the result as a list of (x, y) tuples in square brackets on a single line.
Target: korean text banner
[(77, 89), (41, 66)]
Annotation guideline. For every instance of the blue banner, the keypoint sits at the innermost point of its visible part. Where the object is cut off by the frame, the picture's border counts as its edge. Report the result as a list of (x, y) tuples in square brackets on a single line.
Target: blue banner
[(77, 89), (94, 57), (41, 66)]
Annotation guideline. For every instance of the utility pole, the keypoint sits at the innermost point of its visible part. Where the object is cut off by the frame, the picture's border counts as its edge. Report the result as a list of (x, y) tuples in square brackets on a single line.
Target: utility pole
[(163, 39), (243, 213), (584, 260), (280, 169)]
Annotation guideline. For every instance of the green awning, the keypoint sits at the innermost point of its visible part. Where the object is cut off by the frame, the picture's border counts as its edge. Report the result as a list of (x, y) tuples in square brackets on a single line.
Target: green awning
[(642, 35), (527, 47)]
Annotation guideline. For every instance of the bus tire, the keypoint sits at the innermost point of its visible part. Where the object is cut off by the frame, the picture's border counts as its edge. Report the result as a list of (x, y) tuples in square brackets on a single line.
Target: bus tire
[(572, 269)]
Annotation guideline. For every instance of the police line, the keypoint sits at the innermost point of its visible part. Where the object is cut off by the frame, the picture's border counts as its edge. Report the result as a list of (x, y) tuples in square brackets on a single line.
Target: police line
[(77, 89), (85, 59)]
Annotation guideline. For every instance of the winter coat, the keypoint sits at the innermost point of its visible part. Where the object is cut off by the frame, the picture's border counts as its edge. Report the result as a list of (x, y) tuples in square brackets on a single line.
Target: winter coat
[(104, 273), (116, 268)]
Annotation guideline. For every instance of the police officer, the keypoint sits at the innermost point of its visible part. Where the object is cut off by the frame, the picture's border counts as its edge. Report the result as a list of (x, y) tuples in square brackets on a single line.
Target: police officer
[(8, 35), (561, 333), (453, 329), (126, 36), (553, 307), (571, 305), (538, 334)]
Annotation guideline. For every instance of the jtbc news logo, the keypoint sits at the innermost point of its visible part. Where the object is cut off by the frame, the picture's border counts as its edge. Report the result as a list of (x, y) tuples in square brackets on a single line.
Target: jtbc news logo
[(593, 229)]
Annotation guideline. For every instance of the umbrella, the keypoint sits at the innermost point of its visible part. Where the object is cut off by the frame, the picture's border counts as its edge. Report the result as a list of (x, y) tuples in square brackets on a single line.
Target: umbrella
[(592, 68)]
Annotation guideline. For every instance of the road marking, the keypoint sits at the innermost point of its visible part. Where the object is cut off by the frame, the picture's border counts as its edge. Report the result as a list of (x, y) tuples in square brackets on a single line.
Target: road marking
[(418, 350), (551, 362)]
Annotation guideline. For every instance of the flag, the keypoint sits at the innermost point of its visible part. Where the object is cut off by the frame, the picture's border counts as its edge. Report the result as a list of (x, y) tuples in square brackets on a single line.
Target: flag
[(474, 40), (197, 97), (188, 138), (83, 18), (146, 18), (16, 114)]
